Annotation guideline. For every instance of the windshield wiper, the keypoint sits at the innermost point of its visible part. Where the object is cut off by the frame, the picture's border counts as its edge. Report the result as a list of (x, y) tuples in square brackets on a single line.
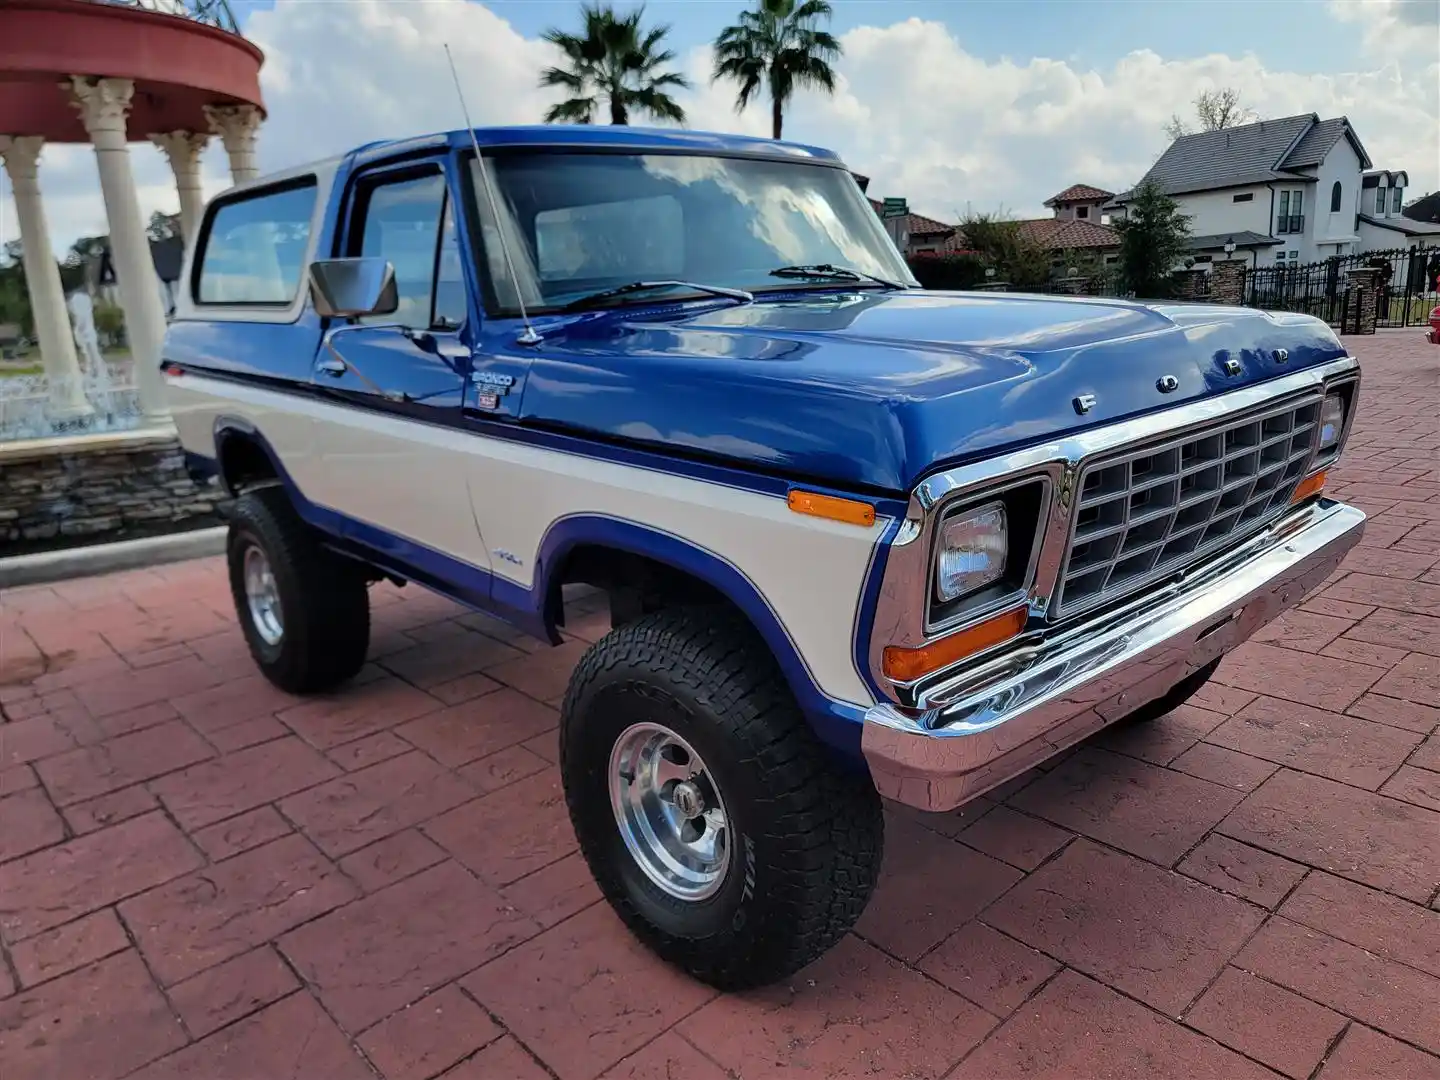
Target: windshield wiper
[(598, 298), (836, 273)]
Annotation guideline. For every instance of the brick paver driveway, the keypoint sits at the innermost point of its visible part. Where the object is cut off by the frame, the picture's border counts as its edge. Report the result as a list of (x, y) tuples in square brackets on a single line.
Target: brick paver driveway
[(200, 877)]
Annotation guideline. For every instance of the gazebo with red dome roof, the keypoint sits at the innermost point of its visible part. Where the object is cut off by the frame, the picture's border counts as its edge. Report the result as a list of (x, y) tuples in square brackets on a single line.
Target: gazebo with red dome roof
[(109, 73)]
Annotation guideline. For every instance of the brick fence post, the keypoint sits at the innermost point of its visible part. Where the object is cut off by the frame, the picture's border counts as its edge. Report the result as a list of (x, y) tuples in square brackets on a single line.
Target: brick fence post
[(1364, 296), (1189, 284), (1227, 282)]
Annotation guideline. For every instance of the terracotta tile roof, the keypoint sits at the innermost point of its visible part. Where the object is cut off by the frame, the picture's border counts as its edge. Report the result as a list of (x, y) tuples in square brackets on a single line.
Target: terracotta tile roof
[(919, 224), (1079, 193), (1056, 235)]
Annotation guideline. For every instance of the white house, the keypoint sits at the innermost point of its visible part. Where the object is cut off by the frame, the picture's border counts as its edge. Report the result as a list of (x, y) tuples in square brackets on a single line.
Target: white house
[(1381, 224), (1293, 190)]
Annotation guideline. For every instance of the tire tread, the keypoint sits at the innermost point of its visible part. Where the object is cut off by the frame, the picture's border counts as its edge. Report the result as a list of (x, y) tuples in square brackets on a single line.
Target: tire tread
[(827, 821), (327, 611)]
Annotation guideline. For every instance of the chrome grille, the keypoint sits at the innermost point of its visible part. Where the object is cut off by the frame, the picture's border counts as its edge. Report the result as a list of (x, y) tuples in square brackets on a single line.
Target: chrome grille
[(1146, 512)]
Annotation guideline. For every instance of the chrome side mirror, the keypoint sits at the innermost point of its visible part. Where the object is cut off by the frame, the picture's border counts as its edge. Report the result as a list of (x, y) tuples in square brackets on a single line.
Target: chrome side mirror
[(353, 288)]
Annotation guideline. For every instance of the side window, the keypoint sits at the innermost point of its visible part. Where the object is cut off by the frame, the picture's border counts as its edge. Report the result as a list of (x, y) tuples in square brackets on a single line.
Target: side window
[(400, 221), (1335, 197), (254, 250)]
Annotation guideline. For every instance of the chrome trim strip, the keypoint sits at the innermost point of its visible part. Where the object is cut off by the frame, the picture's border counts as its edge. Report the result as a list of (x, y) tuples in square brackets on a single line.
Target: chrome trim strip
[(902, 603), (1334, 384), (984, 727), (1011, 599)]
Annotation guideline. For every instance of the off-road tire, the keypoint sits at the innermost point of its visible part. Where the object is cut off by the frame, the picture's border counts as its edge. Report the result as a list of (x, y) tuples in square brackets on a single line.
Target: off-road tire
[(805, 833), (323, 597), (1173, 698)]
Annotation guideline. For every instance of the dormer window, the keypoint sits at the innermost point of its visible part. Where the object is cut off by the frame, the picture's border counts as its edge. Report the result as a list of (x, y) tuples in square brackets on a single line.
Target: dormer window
[(1335, 195), (1380, 200), (1082, 211), (1396, 195)]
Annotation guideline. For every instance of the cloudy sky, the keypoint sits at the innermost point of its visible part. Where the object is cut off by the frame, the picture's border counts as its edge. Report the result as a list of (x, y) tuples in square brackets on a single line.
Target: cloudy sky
[(985, 104)]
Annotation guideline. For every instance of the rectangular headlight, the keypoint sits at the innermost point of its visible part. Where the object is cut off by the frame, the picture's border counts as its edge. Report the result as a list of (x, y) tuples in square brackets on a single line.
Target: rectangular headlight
[(972, 551), (1332, 421)]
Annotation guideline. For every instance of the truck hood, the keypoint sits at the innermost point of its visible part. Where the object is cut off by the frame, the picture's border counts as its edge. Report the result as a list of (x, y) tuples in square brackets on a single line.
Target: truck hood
[(872, 390)]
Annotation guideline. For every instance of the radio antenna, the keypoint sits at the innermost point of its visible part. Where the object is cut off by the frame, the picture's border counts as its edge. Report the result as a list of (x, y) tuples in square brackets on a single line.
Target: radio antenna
[(528, 336)]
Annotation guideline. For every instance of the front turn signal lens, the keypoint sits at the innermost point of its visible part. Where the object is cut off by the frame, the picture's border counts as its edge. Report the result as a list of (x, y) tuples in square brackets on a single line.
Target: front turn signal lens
[(1311, 485), (907, 665), (850, 511)]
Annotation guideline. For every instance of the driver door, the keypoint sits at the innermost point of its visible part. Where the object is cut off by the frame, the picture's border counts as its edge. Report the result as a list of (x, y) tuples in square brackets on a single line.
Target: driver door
[(389, 450)]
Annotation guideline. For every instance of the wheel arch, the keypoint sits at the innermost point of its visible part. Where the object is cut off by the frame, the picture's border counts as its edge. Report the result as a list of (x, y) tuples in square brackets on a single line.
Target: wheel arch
[(244, 458), (584, 546)]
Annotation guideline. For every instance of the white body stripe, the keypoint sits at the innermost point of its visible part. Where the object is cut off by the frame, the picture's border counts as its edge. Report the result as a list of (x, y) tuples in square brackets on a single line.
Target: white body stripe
[(412, 479)]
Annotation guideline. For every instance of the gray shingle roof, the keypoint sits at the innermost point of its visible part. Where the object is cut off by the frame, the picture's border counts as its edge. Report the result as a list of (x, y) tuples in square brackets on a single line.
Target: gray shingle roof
[(1248, 154), (1315, 144), (1245, 238), (1408, 226), (1240, 155)]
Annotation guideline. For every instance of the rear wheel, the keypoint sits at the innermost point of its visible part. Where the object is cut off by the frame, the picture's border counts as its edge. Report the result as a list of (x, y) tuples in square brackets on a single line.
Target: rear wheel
[(723, 833), (305, 612)]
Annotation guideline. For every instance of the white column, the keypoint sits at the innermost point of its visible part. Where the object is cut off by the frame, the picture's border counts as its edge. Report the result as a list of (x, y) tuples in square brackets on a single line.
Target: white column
[(237, 126), (42, 277), (103, 104), (183, 149)]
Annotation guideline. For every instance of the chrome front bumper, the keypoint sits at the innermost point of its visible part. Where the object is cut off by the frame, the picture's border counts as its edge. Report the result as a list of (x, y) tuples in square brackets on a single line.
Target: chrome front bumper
[(984, 726)]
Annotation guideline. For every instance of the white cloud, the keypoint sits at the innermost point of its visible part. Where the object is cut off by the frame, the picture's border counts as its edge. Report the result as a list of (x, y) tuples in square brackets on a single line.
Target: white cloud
[(1393, 28), (914, 110)]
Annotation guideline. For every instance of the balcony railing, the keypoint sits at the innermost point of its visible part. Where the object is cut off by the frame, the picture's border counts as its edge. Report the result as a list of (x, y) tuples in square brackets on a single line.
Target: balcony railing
[(215, 13)]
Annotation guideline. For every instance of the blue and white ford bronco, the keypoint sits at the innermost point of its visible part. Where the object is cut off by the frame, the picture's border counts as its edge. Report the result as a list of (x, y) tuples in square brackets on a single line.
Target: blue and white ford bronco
[(861, 541)]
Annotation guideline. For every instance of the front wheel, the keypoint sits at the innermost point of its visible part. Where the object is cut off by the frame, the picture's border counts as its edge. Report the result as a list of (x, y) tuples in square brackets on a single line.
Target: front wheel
[(716, 824), (1173, 698)]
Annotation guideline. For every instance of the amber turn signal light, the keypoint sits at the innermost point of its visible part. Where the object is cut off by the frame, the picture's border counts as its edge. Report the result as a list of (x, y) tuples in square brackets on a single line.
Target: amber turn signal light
[(850, 511), (907, 665), (1311, 485)]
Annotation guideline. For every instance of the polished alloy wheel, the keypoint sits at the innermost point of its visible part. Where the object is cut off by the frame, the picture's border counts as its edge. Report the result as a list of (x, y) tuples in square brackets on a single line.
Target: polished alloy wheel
[(263, 597), (669, 811)]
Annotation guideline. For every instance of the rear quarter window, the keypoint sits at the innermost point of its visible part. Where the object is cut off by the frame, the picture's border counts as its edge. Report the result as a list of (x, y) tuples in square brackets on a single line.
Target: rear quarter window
[(254, 246)]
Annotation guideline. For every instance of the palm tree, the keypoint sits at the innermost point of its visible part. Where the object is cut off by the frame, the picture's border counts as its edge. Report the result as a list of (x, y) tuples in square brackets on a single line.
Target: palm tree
[(777, 42), (615, 59)]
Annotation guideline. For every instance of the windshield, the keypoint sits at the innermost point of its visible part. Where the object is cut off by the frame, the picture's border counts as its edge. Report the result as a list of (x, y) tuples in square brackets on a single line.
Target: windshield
[(581, 223)]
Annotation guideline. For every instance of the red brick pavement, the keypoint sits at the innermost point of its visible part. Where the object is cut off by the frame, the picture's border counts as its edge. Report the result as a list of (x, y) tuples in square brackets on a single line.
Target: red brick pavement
[(202, 877)]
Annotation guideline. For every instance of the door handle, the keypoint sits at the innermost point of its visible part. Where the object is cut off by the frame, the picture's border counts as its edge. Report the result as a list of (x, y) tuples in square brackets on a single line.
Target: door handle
[(337, 365)]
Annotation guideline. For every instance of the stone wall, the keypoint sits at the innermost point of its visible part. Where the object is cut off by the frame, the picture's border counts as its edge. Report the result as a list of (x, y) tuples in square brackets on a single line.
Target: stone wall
[(1192, 284), (1227, 281), (97, 487), (1364, 296)]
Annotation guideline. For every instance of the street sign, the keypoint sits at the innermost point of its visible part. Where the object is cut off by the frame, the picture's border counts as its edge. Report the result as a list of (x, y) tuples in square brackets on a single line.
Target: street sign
[(894, 208)]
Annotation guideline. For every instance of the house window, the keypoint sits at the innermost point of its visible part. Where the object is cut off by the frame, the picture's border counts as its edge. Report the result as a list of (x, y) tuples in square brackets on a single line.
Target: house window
[(1082, 211), (1335, 197), (1379, 200), (1282, 223), (1249, 196), (1297, 212), (1396, 194)]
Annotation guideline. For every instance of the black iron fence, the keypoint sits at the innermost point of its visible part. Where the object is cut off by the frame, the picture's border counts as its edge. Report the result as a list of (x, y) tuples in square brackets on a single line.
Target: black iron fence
[(1406, 278)]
